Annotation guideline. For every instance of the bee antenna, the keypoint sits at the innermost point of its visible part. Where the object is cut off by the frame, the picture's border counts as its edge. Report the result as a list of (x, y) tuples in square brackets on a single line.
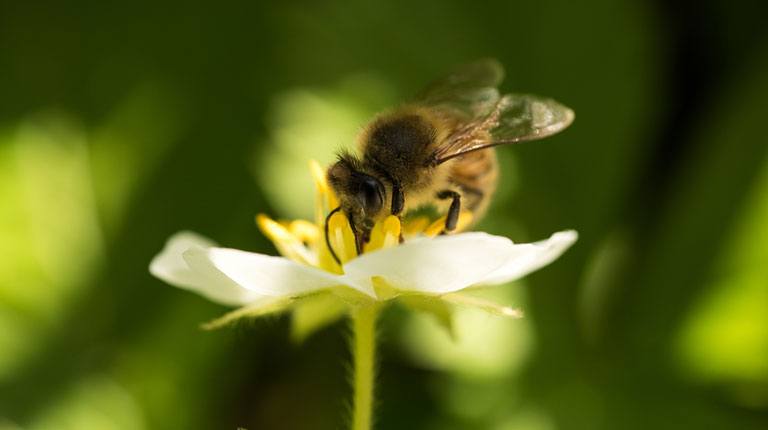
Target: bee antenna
[(327, 239)]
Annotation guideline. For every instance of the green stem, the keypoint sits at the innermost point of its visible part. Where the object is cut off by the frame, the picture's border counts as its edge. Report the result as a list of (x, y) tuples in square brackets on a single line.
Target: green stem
[(364, 351)]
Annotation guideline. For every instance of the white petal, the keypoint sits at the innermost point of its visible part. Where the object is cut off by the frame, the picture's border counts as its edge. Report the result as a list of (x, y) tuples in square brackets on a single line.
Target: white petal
[(528, 257), (171, 267), (265, 274), (440, 265)]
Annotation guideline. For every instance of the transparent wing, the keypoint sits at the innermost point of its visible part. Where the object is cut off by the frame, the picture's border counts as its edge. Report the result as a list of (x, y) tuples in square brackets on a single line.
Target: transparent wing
[(514, 118), (469, 91), (528, 117)]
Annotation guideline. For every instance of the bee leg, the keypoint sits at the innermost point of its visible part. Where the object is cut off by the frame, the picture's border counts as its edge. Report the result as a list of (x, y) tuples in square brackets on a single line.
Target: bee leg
[(358, 239), (452, 217), (398, 199)]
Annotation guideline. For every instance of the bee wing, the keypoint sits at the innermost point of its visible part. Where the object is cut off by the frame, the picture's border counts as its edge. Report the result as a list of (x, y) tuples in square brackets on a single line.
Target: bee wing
[(514, 118), (469, 91)]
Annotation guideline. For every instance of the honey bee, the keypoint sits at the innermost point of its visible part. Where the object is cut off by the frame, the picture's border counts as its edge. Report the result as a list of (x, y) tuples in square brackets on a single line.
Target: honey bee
[(438, 150)]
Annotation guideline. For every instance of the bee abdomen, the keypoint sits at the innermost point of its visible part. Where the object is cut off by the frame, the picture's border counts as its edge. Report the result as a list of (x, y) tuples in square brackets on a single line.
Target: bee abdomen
[(476, 174)]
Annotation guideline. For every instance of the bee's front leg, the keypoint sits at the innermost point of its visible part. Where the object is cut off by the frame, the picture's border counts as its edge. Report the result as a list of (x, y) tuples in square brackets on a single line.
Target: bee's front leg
[(398, 199), (452, 217), (398, 204)]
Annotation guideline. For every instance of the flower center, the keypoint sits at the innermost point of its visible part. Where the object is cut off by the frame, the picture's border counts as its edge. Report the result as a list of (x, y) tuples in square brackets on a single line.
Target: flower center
[(305, 242)]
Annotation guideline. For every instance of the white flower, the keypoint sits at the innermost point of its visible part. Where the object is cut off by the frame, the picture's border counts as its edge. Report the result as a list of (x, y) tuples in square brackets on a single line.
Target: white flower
[(424, 267)]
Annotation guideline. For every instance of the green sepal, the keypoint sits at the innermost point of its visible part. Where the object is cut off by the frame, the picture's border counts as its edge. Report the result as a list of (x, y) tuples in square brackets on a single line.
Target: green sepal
[(384, 291), (435, 306), (263, 307), (314, 313), (484, 305)]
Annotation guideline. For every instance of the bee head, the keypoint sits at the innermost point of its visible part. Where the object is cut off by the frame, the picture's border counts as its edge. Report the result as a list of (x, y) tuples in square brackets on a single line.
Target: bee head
[(361, 195)]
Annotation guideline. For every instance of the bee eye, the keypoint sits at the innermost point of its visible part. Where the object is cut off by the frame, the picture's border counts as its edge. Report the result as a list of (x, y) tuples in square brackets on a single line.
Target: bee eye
[(371, 195)]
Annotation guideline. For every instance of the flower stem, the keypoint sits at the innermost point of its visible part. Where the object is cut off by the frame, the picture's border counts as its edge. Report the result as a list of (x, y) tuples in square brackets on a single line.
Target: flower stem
[(364, 352)]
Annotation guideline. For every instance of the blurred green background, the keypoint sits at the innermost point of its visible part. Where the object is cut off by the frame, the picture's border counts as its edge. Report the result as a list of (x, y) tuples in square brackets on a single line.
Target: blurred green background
[(123, 123)]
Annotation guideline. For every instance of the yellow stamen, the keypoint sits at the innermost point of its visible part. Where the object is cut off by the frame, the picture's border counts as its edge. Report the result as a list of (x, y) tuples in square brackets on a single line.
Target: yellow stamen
[(321, 189), (286, 243), (341, 237), (377, 238), (325, 199), (384, 234), (415, 226), (465, 218), (305, 231), (392, 229)]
